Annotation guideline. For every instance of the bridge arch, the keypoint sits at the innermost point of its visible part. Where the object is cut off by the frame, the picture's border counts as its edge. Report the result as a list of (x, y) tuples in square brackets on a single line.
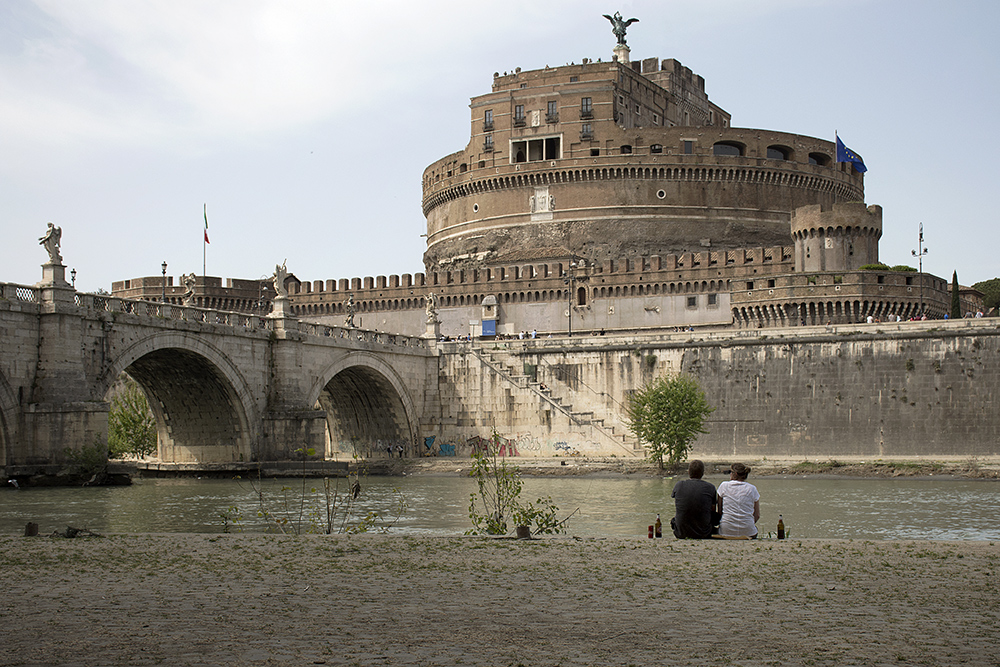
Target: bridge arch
[(203, 406), (367, 404)]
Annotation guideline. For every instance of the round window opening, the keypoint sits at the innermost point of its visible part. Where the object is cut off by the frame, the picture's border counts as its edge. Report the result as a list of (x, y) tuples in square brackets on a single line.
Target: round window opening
[(475, 208), (661, 194)]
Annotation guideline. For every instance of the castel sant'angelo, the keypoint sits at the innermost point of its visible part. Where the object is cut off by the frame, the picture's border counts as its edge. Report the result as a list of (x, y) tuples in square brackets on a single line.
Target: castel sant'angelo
[(615, 196)]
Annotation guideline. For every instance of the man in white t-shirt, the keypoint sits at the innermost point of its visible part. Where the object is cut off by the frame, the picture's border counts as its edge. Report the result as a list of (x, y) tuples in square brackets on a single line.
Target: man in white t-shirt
[(740, 503)]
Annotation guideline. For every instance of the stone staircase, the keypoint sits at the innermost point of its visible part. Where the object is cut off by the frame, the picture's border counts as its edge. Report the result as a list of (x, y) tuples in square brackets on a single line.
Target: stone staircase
[(499, 361)]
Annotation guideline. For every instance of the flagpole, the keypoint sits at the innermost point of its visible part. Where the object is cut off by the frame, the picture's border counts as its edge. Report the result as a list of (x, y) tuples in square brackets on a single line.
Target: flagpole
[(204, 246)]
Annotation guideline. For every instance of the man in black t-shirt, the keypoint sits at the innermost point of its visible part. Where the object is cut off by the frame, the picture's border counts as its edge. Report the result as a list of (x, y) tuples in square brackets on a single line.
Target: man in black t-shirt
[(694, 502)]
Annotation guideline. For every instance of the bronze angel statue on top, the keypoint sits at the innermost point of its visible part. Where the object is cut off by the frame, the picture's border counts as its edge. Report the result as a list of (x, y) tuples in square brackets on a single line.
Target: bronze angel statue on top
[(619, 25)]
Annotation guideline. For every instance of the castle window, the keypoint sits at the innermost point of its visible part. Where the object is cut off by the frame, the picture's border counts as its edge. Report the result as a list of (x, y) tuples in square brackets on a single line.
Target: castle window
[(692, 302), (713, 299), (749, 284), (820, 159), (586, 131), (656, 148), (626, 150), (727, 149), (488, 144), (533, 150), (656, 119), (574, 79), (595, 152), (519, 115), (778, 153), (488, 120), (688, 147), (770, 282), (586, 108), (552, 112)]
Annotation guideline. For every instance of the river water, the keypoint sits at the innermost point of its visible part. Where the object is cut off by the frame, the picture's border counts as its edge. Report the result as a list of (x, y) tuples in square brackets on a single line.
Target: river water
[(619, 507)]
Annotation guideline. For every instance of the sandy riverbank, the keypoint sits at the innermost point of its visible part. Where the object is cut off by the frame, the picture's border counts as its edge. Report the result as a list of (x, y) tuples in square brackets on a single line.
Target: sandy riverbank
[(391, 600)]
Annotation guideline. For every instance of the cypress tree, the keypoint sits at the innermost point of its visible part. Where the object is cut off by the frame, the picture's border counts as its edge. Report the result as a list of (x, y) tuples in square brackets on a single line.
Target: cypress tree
[(956, 307)]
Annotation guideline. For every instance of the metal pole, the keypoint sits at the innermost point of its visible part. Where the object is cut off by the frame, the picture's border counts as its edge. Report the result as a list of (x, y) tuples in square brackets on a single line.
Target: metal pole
[(919, 254), (163, 285)]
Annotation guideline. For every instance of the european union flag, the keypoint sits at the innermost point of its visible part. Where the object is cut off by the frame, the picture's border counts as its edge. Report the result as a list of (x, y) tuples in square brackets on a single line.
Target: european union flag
[(845, 154)]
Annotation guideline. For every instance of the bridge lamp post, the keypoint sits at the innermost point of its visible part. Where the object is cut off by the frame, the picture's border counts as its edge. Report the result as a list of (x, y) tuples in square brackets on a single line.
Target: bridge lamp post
[(72, 275), (919, 254), (163, 285)]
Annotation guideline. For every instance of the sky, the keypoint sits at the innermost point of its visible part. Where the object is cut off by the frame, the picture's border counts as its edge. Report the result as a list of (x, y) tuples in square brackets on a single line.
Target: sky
[(305, 126)]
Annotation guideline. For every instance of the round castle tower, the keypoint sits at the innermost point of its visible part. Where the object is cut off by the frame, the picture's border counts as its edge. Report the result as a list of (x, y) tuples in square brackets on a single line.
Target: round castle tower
[(842, 238)]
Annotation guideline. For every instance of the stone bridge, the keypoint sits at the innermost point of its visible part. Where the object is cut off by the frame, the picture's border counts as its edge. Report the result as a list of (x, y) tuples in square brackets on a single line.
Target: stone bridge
[(223, 387)]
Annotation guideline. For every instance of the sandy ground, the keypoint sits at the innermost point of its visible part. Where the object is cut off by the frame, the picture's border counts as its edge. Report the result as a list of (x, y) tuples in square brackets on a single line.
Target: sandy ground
[(393, 600)]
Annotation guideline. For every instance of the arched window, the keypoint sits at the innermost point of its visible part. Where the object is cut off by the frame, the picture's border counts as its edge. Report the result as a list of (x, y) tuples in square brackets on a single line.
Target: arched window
[(779, 153), (728, 148), (656, 148), (821, 159), (626, 150)]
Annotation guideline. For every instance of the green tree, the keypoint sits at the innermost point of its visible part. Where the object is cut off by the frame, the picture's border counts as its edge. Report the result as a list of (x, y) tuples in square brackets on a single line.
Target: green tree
[(991, 292), (131, 427), (956, 305), (668, 414)]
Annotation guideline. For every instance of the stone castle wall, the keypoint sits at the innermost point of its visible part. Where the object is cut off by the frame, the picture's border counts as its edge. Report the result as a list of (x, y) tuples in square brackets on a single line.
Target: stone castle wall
[(900, 390)]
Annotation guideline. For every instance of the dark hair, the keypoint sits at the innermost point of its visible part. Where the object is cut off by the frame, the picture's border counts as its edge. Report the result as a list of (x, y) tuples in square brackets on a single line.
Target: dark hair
[(742, 471), (696, 469)]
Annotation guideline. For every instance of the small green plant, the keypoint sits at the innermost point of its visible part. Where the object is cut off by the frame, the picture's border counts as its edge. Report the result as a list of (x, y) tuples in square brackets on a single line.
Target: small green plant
[(495, 509)]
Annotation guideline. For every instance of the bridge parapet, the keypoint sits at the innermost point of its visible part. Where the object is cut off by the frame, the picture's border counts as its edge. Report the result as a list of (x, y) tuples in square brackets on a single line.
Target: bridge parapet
[(19, 293), (361, 335)]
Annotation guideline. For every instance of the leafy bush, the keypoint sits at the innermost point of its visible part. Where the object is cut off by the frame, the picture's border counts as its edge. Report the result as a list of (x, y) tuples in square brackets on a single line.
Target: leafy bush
[(131, 428), (668, 414)]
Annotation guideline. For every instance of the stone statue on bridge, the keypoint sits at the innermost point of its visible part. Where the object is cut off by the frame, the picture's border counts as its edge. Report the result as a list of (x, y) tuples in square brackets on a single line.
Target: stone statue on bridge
[(51, 240), (349, 309), (280, 275), (432, 306), (189, 280)]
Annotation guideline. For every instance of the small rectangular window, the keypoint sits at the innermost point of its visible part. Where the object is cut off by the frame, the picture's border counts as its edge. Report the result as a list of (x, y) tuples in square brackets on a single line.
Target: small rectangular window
[(749, 284), (574, 79), (551, 108), (688, 147), (488, 120), (770, 282), (692, 302), (519, 111), (713, 299)]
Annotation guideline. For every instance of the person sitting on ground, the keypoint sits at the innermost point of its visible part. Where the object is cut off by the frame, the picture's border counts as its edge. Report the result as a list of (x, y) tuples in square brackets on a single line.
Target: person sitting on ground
[(740, 504), (694, 505)]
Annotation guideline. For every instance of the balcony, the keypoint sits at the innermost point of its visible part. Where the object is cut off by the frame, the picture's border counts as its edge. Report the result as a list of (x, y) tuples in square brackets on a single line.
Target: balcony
[(488, 127), (519, 121), (552, 118), (586, 135), (586, 114), (487, 146)]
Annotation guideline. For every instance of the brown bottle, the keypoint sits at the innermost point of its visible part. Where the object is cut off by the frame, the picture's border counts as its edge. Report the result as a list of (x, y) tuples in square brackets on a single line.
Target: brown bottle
[(781, 528), (658, 527)]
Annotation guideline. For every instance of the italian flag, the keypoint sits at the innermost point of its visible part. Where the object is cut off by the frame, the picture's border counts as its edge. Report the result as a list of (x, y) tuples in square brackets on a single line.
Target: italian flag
[(206, 224)]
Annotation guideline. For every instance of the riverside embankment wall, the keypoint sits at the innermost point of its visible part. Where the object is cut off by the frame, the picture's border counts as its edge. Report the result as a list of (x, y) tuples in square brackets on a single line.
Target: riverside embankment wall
[(924, 389)]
